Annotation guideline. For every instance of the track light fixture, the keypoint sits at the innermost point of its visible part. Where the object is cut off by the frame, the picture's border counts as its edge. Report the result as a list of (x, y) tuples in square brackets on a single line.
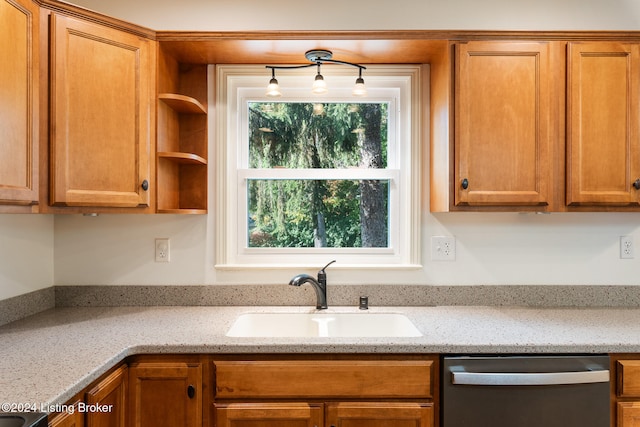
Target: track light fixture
[(317, 57)]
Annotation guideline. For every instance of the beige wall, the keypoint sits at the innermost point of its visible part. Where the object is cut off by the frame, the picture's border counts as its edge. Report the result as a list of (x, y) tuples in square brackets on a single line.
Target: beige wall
[(492, 248), (225, 15), (26, 254)]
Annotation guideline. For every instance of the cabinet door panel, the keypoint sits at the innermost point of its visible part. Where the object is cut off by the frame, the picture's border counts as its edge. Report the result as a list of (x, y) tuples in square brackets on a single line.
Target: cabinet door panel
[(367, 379), (602, 140), (380, 415), (110, 391), (165, 394), (628, 379), (101, 114), (269, 415), (628, 414), (18, 102), (502, 124), (67, 419)]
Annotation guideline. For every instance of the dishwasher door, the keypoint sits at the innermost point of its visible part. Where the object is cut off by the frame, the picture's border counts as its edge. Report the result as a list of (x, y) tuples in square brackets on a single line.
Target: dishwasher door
[(526, 391)]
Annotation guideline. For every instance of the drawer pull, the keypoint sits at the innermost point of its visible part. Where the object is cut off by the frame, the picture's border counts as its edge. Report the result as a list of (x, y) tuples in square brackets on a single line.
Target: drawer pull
[(191, 391)]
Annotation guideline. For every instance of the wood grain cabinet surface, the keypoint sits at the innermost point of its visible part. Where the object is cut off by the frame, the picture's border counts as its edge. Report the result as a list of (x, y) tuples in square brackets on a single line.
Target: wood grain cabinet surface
[(389, 392), (544, 126), (102, 117), (73, 418), (19, 94), (625, 390), (502, 124), (182, 136), (165, 394), (109, 396), (603, 120)]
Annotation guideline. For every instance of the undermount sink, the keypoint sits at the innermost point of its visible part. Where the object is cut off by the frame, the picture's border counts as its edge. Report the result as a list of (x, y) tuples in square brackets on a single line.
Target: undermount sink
[(323, 325)]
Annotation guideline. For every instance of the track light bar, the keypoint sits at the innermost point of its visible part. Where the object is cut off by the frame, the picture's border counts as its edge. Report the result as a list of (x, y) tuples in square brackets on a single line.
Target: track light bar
[(316, 57)]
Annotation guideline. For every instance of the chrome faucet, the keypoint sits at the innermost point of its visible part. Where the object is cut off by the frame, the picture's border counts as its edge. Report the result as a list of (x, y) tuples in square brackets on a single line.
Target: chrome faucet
[(319, 285)]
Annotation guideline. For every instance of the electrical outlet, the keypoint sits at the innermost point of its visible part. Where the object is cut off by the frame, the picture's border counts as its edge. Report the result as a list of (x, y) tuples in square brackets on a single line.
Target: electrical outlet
[(626, 247), (162, 250), (443, 248)]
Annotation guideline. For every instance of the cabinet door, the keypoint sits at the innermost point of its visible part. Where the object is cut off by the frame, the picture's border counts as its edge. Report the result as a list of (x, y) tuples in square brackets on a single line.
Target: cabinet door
[(380, 414), (18, 102), (101, 91), (603, 152), (269, 415), (502, 124), (111, 393), (628, 414), (165, 394), (67, 419)]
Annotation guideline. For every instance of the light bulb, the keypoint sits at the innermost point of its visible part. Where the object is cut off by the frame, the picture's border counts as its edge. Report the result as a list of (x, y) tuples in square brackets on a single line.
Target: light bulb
[(359, 89), (273, 90), (319, 85)]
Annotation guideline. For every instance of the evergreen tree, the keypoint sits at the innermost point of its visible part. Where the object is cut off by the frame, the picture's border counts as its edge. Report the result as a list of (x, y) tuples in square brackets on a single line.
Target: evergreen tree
[(307, 213)]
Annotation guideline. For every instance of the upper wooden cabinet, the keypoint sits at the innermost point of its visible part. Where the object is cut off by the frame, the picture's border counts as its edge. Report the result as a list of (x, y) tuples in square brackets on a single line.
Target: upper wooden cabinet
[(102, 117), (603, 107), (542, 126), (503, 119), (19, 86)]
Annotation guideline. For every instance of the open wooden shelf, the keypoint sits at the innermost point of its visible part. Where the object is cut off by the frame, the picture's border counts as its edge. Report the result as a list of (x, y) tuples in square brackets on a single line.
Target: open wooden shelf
[(181, 153), (184, 158), (182, 103)]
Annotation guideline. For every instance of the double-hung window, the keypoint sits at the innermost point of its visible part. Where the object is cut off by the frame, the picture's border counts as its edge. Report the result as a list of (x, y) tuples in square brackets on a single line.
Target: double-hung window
[(305, 178)]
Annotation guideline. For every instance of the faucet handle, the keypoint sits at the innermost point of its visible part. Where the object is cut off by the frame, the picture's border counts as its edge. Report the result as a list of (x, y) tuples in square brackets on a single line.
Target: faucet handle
[(322, 275), (323, 268)]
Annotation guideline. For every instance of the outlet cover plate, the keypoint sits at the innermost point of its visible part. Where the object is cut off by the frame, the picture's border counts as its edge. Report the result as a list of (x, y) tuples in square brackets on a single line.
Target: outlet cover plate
[(443, 248), (162, 250)]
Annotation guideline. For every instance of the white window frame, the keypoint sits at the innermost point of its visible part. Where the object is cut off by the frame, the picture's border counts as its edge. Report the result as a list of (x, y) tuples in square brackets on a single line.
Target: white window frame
[(237, 85)]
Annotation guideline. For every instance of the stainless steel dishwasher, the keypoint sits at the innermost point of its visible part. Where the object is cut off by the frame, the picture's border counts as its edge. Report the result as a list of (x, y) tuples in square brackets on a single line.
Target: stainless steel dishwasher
[(525, 391)]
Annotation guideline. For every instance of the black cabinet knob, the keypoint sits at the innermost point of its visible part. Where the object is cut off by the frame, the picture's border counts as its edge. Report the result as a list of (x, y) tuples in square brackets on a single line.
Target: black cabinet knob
[(145, 185), (191, 391), (465, 184), (636, 184)]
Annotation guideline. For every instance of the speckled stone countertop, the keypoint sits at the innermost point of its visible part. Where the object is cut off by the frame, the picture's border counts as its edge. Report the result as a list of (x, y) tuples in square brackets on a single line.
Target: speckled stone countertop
[(47, 358)]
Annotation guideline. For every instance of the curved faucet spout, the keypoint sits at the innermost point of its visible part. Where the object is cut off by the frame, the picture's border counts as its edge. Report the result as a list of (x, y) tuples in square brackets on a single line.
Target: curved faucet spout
[(301, 279), (320, 288)]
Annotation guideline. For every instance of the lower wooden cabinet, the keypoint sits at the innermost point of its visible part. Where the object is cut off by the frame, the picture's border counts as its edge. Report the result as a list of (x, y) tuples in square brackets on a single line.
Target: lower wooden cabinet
[(380, 414), (165, 394), (367, 392), (269, 415), (626, 396), (628, 414), (261, 391), (104, 404), (340, 414), (109, 397), (73, 418)]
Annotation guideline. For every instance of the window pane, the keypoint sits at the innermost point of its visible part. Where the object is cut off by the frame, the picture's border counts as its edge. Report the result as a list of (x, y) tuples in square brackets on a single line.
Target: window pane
[(317, 135), (318, 213)]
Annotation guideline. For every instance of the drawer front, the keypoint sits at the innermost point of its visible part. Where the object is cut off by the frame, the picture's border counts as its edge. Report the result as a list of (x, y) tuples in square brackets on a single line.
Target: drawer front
[(628, 378), (323, 378)]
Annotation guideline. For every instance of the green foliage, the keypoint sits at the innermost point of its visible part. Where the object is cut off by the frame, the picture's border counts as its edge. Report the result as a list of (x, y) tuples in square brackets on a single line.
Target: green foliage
[(290, 213)]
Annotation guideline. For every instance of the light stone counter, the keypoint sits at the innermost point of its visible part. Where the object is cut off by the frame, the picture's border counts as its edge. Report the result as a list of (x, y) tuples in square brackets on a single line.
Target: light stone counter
[(49, 357)]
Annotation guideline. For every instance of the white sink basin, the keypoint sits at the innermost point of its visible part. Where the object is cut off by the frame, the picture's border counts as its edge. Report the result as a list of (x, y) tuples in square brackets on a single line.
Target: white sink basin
[(323, 325)]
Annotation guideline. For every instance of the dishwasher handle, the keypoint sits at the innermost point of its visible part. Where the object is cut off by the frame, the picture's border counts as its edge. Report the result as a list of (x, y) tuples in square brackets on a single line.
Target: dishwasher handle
[(460, 377)]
